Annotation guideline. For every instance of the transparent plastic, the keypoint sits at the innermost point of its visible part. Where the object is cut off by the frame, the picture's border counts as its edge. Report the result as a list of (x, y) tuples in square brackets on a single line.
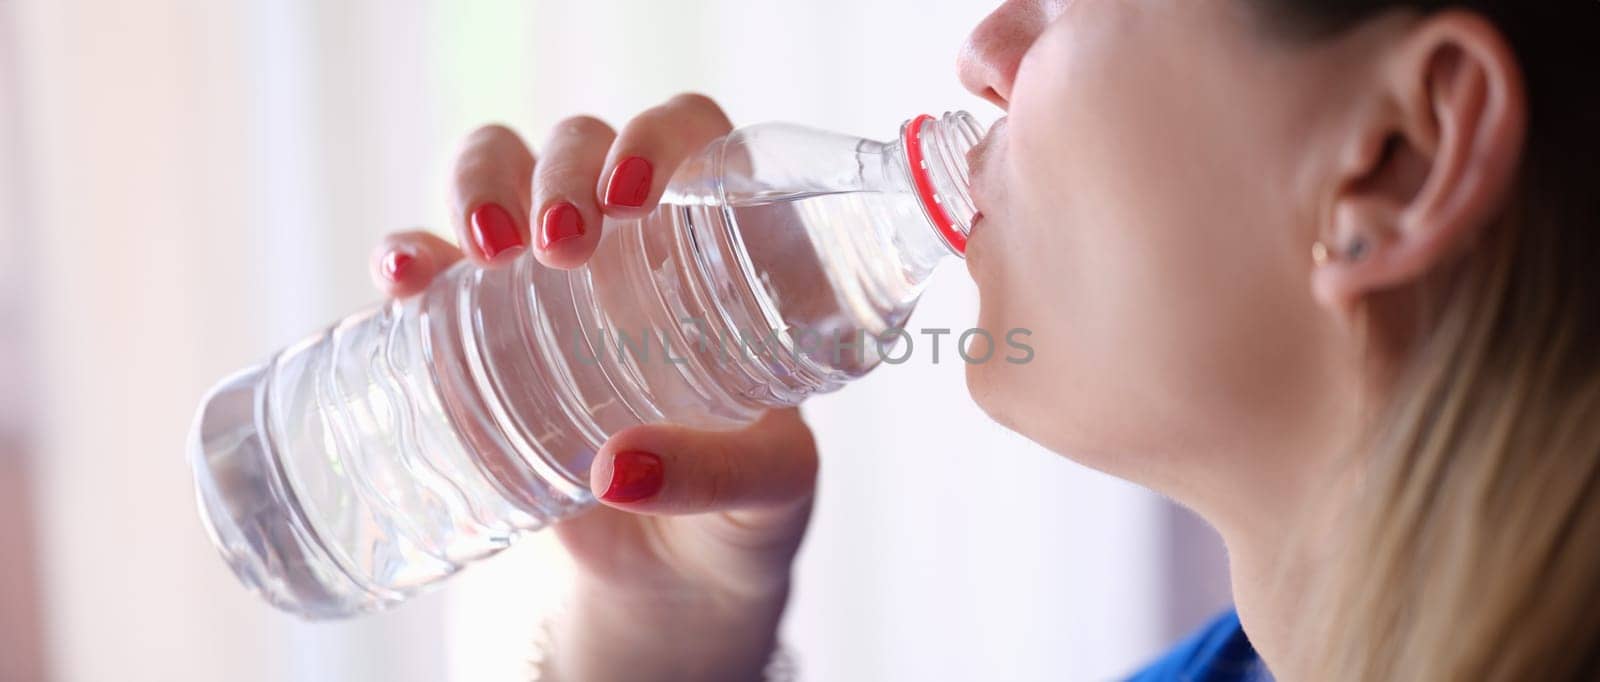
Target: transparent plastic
[(365, 463)]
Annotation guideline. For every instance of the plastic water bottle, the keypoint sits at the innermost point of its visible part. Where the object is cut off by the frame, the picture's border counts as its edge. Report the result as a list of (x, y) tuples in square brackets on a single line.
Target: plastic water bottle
[(371, 460)]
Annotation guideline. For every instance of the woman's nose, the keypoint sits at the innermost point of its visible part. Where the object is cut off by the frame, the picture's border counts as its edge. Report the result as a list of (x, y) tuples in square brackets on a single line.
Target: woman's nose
[(989, 60)]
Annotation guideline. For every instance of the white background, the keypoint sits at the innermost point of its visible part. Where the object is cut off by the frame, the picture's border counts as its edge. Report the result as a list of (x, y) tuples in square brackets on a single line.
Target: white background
[(191, 184)]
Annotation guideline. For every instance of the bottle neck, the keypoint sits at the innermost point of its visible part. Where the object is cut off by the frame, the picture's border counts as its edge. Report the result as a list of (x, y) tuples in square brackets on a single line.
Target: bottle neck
[(838, 235), (924, 170), (934, 161)]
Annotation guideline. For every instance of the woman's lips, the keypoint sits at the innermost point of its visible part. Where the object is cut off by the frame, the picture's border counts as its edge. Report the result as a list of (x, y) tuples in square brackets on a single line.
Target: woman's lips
[(978, 159)]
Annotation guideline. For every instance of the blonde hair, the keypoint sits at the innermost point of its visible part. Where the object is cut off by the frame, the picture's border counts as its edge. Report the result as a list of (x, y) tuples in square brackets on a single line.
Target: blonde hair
[(1473, 548)]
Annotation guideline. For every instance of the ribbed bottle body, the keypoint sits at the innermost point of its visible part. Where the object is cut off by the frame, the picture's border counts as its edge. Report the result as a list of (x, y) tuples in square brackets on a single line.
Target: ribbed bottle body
[(372, 460)]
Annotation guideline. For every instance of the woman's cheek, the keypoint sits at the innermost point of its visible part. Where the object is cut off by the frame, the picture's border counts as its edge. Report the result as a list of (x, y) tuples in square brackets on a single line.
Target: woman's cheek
[(1067, 262), (1016, 258)]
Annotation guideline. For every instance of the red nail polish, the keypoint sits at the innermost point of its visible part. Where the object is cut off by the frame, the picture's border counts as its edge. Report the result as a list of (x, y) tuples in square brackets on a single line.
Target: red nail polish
[(395, 263), (630, 183), (634, 476), (561, 221), (494, 231)]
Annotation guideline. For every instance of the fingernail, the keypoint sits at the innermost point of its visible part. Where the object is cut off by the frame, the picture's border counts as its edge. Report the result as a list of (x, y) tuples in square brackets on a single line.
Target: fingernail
[(561, 222), (395, 263), (634, 476), (630, 183), (494, 231)]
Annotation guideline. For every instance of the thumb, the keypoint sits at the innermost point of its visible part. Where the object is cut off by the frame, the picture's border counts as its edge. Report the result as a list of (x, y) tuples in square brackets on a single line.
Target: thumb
[(667, 469)]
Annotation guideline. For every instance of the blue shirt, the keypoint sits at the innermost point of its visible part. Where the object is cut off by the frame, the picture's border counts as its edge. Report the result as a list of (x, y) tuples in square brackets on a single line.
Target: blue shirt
[(1218, 652)]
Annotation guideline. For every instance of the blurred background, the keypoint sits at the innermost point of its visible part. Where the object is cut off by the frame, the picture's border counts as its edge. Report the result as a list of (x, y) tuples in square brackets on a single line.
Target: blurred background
[(188, 185)]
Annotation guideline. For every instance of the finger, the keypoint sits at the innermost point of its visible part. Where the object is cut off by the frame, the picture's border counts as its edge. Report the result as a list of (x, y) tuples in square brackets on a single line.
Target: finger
[(565, 209), (491, 194), (405, 262), (651, 147), (665, 469)]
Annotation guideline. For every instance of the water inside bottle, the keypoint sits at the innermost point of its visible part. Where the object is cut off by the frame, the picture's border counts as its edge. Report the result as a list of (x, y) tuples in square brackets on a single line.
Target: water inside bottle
[(432, 431)]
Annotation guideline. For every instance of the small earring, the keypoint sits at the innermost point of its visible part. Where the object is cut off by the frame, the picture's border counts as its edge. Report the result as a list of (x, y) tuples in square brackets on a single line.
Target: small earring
[(1322, 255), (1319, 253)]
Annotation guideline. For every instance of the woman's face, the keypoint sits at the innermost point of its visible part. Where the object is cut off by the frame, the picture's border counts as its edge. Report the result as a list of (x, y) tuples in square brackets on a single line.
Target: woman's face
[(1149, 206)]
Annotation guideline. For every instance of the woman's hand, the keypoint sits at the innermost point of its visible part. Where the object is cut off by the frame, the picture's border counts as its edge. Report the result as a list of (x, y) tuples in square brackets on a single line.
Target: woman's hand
[(685, 571)]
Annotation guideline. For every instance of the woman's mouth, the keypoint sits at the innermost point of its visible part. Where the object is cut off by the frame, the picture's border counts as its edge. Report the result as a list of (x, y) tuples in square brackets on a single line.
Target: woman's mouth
[(978, 161)]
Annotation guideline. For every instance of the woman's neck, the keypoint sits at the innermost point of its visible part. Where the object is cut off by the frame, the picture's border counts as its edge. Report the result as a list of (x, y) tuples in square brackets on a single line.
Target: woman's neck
[(1279, 558)]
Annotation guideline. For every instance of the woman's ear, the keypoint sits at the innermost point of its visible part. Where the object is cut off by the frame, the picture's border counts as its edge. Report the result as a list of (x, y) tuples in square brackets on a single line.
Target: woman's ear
[(1430, 166)]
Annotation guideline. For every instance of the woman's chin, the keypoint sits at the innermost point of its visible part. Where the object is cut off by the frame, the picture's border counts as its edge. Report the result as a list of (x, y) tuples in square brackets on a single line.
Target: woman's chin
[(996, 386)]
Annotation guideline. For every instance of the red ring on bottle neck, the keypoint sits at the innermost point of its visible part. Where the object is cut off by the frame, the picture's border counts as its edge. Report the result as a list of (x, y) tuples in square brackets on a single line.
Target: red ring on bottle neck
[(923, 182)]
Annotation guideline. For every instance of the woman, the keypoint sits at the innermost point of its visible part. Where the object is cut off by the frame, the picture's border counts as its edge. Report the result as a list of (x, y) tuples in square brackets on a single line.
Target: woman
[(1324, 269)]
